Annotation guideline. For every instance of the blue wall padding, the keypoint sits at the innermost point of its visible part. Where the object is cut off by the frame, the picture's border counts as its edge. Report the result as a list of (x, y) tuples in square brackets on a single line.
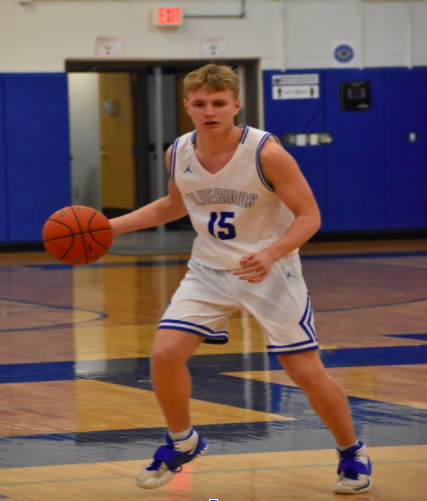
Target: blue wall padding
[(301, 116), (356, 158), (312, 161), (406, 93), (3, 178), (370, 177), (38, 153), (293, 116)]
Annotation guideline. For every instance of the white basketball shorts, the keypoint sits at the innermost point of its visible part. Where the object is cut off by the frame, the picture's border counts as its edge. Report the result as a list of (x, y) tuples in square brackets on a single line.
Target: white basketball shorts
[(206, 298)]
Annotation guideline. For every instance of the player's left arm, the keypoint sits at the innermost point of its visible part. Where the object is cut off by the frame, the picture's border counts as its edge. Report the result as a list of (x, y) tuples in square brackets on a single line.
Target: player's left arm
[(282, 172)]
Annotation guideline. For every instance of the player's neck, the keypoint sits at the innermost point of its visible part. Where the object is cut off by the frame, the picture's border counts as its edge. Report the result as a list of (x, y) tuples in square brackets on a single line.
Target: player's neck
[(213, 143)]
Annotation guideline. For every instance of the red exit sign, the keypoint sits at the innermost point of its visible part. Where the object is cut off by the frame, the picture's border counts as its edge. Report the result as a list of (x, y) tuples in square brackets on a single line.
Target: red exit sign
[(168, 16)]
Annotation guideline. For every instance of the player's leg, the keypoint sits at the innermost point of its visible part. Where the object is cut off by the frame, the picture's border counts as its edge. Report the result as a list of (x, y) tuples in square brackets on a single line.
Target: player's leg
[(325, 395), (170, 377), (328, 400), (198, 312), (172, 385), (283, 309)]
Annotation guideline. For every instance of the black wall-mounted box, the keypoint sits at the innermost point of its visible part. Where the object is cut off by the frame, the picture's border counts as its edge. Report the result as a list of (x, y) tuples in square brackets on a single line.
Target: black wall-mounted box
[(355, 96)]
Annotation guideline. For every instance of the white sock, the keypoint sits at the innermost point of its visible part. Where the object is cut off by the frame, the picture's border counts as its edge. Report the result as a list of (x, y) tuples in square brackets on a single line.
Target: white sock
[(179, 435), (187, 441), (345, 447)]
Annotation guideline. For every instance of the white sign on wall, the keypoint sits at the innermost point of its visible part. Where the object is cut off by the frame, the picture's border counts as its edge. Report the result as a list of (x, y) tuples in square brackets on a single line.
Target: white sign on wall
[(108, 47), (303, 78), (295, 91), (213, 47), (296, 86)]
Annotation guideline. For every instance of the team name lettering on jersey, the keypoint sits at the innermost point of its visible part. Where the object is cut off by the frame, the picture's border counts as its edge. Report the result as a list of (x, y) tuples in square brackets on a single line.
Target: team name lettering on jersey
[(223, 196)]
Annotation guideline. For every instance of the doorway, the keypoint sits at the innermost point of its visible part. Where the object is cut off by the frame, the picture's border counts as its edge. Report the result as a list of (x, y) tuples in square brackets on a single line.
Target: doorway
[(117, 140), (128, 149)]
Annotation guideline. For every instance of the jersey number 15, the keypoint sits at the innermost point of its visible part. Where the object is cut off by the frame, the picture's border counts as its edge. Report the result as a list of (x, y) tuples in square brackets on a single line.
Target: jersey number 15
[(230, 232)]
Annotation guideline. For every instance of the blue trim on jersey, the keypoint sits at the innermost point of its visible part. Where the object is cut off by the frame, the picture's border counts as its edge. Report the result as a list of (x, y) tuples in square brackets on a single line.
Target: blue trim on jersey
[(307, 325), (193, 137), (187, 329), (170, 321), (292, 351), (258, 163), (173, 159), (222, 334), (245, 134), (301, 343), (306, 321), (311, 324)]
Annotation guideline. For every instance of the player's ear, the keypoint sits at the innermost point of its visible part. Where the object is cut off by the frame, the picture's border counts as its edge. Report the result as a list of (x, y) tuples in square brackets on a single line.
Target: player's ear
[(186, 106), (237, 106)]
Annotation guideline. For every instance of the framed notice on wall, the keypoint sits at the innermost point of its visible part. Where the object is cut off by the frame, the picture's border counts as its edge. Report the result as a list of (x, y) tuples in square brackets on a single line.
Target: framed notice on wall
[(213, 47), (108, 47)]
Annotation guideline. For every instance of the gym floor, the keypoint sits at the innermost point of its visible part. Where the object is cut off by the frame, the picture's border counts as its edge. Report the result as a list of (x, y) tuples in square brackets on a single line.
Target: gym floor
[(79, 417)]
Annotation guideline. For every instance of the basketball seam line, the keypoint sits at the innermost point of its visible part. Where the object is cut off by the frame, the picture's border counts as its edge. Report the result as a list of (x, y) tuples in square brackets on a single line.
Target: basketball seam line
[(99, 243), (73, 234), (91, 219), (81, 232), (69, 248), (70, 235), (62, 224), (90, 231)]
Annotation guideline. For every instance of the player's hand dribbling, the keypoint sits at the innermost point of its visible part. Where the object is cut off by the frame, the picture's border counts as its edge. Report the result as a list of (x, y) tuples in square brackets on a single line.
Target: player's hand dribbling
[(255, 267)]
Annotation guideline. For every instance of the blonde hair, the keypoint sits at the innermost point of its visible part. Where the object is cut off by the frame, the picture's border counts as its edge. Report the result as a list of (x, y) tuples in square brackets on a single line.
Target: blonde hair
[(215, 77)]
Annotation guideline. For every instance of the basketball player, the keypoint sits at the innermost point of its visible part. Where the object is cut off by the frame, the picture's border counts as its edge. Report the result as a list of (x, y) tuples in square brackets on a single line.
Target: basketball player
[(252, 209)]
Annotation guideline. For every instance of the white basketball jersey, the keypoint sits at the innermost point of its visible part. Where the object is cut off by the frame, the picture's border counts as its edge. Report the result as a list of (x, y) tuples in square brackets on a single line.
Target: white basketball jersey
[(235, 211)]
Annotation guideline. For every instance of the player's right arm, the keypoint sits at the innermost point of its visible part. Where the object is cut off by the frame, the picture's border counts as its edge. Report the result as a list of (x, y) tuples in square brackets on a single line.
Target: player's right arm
[(160, 212)]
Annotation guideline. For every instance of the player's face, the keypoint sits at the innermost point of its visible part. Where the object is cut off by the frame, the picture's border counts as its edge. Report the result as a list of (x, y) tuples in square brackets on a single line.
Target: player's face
[(212, 110)]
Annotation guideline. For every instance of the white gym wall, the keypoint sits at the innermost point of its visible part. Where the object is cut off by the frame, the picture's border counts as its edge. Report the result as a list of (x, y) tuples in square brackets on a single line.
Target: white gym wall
[(384, 33), (40, 35)]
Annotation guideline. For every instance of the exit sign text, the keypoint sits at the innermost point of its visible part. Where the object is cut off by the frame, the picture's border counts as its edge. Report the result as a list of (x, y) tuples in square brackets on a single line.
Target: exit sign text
[(168, 16)]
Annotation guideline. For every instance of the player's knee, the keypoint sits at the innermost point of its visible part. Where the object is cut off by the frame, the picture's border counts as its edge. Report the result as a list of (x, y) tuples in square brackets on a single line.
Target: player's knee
[(162, 358), (307, 380)]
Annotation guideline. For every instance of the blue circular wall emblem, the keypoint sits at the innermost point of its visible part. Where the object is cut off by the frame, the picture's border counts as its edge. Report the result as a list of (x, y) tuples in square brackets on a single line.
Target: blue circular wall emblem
[(344, 53)]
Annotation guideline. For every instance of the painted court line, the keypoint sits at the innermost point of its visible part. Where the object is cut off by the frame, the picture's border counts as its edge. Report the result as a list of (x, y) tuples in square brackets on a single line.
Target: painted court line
[(103, 315), (118, 477), (181, 262), (17, 302)]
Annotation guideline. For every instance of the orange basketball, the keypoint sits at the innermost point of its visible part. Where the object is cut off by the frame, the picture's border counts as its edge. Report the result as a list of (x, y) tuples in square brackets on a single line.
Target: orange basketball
[(77, 235)]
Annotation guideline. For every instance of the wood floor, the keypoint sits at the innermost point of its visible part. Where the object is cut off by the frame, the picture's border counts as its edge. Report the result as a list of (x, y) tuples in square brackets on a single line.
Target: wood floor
[(79, 417)]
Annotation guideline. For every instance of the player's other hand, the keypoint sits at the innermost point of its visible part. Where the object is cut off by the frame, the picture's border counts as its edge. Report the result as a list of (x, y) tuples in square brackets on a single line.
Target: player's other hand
[(255, 267)]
